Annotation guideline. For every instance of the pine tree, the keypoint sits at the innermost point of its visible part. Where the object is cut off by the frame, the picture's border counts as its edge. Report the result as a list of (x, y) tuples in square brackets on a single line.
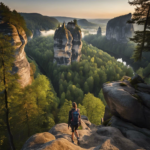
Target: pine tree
[(141, 16), (7, 78)]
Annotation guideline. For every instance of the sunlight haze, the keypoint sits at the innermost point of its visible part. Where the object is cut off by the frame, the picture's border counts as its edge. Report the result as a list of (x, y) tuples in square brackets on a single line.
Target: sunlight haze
[(73, 8)]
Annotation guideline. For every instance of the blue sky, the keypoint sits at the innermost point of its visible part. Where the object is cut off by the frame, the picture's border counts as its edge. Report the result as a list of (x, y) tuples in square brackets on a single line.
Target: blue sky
[(73, 8)]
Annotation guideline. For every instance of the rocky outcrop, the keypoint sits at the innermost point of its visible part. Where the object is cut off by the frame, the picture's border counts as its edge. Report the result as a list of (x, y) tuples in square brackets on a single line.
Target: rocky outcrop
[(119, 29), (94, 138), (18, 40), (67, 44), (99, 31), (129, 105), (126, 127)]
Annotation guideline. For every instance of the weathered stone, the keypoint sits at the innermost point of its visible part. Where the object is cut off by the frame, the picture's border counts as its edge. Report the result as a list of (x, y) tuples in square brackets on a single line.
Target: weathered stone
[(62, 46), (67, 44), (124, 104), (18, 40), (36, 141), (145, 98), (119, 29)]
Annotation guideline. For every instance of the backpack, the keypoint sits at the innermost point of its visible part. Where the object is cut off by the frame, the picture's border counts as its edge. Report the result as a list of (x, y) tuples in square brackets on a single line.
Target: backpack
[(75, 117)]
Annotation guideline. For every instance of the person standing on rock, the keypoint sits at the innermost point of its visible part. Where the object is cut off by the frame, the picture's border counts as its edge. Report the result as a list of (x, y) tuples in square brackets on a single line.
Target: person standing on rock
[(74, 120)]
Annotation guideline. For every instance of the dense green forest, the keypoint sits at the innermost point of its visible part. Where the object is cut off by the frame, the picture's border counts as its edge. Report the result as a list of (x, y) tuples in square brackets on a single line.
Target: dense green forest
[(36, 21), (121, 50), (72, 82), (13, 17)]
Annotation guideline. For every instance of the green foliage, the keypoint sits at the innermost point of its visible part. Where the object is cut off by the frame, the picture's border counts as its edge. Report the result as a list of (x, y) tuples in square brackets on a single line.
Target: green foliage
[(95, 108), (64, 111), (13, 17), (72, 82), (141, 16), (118, 49), (82, 110), (101, 96)]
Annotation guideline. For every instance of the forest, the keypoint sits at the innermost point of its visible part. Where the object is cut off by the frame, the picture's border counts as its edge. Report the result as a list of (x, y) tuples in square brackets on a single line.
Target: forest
[(72, 82), (122, 50)]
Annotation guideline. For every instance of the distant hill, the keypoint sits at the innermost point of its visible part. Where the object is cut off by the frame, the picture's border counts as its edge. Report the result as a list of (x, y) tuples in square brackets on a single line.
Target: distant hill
[(85, 23), (39, 22), (81, 22)]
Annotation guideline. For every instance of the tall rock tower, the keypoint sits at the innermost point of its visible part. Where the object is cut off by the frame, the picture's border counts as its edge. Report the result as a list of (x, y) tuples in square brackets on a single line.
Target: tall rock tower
[(67, 44), (62, 46), (99, 31)]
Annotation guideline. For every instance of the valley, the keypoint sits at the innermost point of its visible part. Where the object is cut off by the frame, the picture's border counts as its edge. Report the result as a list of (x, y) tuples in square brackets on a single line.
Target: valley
[(97, 68)]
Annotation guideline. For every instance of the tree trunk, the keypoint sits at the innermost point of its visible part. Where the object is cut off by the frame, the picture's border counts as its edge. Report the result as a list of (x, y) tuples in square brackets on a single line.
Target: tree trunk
[(6, 106), (145, 26)]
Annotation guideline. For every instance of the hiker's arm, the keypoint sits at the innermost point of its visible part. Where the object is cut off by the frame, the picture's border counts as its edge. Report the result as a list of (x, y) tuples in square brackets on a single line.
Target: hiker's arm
[(69, 119)]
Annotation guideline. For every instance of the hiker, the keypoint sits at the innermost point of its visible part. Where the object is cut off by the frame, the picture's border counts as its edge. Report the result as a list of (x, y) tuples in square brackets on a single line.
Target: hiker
[(74, 120)]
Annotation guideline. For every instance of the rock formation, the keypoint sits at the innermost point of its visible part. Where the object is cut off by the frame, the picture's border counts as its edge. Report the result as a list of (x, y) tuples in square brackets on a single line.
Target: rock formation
[(18, 40), (125, 127), (67, 44), (119, 29), (129, 109), (62, 46), (99, 31)]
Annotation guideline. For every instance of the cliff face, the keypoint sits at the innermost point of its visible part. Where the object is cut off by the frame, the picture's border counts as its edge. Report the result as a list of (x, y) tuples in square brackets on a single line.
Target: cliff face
[(119, 29), (19, 40), (67, 44)]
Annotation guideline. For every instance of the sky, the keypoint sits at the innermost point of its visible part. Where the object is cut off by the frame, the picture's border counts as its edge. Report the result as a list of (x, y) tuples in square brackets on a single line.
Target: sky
[(73, 8)]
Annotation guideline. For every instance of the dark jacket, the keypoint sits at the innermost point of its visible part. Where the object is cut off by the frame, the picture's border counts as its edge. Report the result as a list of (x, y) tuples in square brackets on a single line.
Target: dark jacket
[(70, 116)]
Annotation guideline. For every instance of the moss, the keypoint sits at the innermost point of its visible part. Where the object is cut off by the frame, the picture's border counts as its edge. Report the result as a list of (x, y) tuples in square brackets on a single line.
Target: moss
[(126, 78), (123, 84)]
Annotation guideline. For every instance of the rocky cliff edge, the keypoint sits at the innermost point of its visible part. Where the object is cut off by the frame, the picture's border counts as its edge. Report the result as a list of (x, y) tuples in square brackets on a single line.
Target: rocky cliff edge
[(125, 125)]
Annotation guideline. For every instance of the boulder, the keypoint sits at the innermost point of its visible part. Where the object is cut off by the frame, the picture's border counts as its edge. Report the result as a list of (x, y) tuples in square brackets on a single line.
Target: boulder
[(140, 136), (38, 140), (124, 103)]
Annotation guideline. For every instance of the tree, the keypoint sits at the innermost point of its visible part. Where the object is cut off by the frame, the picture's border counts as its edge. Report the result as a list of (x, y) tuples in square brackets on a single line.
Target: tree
[(8, 79), (64, 111), (94, 107), (141, 16)]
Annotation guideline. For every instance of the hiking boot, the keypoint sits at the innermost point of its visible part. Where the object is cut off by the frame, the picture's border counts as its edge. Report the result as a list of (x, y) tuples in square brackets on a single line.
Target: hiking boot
[(73, 142)]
